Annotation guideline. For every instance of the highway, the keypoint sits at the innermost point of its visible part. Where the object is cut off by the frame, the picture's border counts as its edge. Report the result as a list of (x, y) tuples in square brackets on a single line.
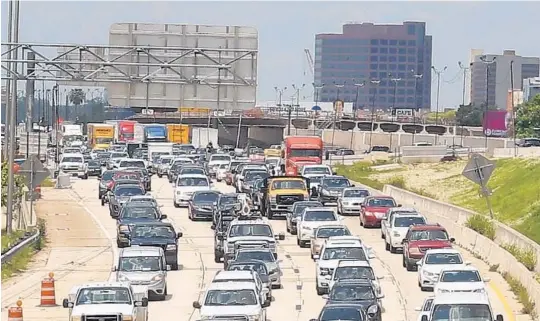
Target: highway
[(297, 300)]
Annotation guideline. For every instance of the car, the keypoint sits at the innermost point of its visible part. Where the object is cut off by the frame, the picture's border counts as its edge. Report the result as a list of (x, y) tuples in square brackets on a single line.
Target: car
[(144, 266), (250, 177), (421, 238), (310, 171), (114, 183), (125, 163), (74, 165), (221, 172), (175, 166), (350, 201), (240, 168), (425, 309), (247, 275), (105, 179), (164, 164), (227, 204), (395, 228), (281, 192), (161, 234), (312, 218), (147, 198), (331, 188), (222, 300), (264, 255), (295, 214), (242, 174), (323, 233), (192, 170), (314, 183), (433, 262), (220, 235), (458, 279), (215, 161), (201, 205), (461, 306), (358, 292), (258, 267), (94, 167), (373, 210), (186, 185), (133, 213), (120, 195), (354, 270), (342, 311), (102, 157), (115, 158)]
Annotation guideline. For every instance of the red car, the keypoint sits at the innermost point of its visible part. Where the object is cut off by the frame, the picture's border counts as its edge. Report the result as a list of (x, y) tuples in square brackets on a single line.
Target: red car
[(421, 238), (374, 208)]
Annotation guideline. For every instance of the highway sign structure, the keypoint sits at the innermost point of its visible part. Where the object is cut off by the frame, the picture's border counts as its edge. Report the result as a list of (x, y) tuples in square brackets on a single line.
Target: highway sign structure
[(479, 170), (33, 172)]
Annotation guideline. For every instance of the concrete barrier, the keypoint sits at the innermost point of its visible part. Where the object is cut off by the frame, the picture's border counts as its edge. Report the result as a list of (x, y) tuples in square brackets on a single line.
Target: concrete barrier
[(533, 152)]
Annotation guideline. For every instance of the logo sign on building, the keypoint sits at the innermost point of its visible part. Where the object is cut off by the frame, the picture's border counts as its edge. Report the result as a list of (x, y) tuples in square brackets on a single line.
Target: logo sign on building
[(495, 123), (338, 107), (147, 111), (402, 113), (194, 110)]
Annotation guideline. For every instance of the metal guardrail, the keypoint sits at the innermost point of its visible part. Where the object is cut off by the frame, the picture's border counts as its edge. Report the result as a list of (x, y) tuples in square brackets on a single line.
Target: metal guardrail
[(17, 248)]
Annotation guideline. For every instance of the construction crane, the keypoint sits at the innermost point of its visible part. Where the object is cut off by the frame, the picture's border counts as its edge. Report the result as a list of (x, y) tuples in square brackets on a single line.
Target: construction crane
[(309, 59)]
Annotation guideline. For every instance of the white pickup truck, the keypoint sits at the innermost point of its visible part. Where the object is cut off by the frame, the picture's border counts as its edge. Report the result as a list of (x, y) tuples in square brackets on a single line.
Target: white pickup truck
[(107, 301)]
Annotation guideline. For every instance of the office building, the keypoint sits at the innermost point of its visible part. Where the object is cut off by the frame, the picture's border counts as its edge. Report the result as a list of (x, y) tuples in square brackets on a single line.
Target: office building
[(490, 76), (531, 88), (365, 52)]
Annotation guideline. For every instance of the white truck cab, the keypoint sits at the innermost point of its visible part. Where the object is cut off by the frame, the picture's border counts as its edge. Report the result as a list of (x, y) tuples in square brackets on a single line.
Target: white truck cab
[(461, 306), (316, 170), (107, 301), (73, 164), (395, 224)]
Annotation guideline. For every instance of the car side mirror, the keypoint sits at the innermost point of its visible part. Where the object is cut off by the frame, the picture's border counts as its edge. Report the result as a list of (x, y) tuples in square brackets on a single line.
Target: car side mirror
[(196, 305), (334, 173), (467, 263), (316, 257), (168, 267), (312, 319), (418, 309), (114, 268), (384, 218), (399, 205), (424, 318), (164, 216), (326, 296), (380, 296), (380, 277), (67, 304), (499, 317), (487, 280), (281, 236), (265, 304), (419, 263), (179, 235), (452, 239), (220, 237)]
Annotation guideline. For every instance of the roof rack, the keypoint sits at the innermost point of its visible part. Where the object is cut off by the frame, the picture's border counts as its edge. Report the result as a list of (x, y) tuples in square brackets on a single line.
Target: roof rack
[(249, 217)]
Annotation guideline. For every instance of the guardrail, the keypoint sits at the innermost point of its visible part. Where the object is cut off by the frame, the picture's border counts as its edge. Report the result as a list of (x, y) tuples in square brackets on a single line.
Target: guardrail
[(19, 247)]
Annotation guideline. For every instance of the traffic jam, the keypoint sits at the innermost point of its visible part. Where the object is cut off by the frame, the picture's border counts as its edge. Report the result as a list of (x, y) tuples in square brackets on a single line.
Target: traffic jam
[(237, 194)]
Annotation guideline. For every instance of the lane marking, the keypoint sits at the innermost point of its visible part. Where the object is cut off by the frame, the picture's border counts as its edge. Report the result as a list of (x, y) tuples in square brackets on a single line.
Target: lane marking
[(506, 305)]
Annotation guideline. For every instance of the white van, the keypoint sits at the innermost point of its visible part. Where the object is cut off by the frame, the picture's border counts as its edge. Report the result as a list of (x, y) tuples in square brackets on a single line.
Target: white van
[(464, 306)]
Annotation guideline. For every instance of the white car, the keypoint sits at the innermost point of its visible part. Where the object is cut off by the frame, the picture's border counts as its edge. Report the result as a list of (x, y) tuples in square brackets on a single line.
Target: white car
[(221, 172), (394, 228), (316, 170), (240, 176), (243, 276), (215, 161), (231, 299), (351, 200), (186, 185), (131, 162), (350, 270), (164, 165), (433, 262), (425, 309), (73, 164), (459, 306), (312, 218), (460, 279)]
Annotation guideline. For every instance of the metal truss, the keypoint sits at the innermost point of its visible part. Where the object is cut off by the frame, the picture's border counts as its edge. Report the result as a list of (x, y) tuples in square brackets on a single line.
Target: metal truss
[(100, 64)]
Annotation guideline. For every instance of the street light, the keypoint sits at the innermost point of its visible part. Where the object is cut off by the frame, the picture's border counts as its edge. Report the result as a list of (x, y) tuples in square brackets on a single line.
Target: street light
[(487, 62), (438, 73), (358, 86), (375, 83), (465, 69), (335, 110), (416, 78), (316, 92), (395, 81), (297, 93)]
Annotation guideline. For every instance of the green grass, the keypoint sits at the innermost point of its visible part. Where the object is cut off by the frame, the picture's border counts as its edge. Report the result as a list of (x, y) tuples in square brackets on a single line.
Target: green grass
[(8, 239), (359, 172), (521, 293), (47, 183), (515, 184)]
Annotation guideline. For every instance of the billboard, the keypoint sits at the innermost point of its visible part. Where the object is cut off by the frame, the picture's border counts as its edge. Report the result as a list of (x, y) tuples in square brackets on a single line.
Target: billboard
[(495, 123)]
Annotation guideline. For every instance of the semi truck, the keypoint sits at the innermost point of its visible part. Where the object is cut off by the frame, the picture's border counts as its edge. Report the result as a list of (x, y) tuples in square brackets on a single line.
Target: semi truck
[(100, 135), (178, 133), (124, 130), (71, 135), (298, 151), (200, 137), (155, 133)]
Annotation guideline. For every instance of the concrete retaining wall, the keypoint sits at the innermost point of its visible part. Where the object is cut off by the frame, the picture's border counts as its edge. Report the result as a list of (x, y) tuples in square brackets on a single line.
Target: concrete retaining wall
[(521, 152)]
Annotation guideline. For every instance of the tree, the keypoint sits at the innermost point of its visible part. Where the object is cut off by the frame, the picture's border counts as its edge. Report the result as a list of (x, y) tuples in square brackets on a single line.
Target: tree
[(528, 118), (76, 96), (471, 115), (18, 185)]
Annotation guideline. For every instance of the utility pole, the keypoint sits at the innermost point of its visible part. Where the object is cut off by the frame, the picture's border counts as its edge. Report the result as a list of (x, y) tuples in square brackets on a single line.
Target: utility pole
[(374, 83), (395, 80), (415, 107), (8, 84), (438, 73), (355, 108), (336, 111), (513, 107), (316, 92), (465, 70), (297, 94), (487, 62)]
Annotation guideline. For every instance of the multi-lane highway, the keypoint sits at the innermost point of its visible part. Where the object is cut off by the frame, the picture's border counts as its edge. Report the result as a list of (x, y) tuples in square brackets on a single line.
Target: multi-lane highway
[(297, 300)]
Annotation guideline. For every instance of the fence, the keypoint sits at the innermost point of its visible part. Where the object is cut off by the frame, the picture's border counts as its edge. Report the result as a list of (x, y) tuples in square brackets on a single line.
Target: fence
[(22, 218)]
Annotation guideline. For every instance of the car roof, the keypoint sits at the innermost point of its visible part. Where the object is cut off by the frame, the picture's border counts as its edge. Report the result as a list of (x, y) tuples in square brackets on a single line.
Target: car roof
[(211, 191), (344, 238), (254, 249), (128, 185), (408, 210), (356, 188), (141, 251), (442, 251), (427, 227), (153, 223), (193, 176), (333, 177), (360, 281), (143, 197), (319, 209), (461, 298), (349, 263), (307, 203), (104, 284), (247, 262), (232, 275), (379, 196), (332, 226), (231, 286), (460, 267), (72, 155)]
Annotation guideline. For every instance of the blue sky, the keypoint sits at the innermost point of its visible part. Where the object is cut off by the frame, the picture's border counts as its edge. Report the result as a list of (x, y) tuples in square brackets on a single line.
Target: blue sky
[(286, 28)]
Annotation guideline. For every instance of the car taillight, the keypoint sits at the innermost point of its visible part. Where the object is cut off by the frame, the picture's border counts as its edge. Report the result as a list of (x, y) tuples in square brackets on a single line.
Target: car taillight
[(110, 185)]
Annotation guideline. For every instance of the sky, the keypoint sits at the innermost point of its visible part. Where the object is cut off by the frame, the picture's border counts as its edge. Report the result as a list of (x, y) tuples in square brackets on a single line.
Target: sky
[(287, 28)]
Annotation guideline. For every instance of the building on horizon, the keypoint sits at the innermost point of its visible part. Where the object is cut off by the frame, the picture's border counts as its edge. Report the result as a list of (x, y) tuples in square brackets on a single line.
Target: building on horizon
[(531, 88), (365, 52), (494, 87)]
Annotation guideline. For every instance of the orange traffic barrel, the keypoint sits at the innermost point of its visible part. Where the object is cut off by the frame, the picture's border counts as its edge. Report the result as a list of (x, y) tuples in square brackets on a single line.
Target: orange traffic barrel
[(48, 295), (15, 313)]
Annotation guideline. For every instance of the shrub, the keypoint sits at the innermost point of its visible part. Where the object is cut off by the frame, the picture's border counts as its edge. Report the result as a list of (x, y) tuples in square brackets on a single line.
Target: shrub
[(397, 181), (526, 256), (521, 293), (482, 225)]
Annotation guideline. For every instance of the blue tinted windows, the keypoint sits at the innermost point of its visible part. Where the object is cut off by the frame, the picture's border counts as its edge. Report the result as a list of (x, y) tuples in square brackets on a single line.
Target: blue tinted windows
[(411, 30), (383, 42), (384, 50), (374, 42), (393, 42)]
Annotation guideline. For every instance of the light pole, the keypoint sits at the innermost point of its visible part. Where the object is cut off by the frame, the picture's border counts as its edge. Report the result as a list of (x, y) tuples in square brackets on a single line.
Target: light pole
[(417, 77), (374, 83), (514, 129), (438, 73), (297, 93), (355, 108), (336, 111), (316, 92), (395, 81), (487, 62), (465, 70)]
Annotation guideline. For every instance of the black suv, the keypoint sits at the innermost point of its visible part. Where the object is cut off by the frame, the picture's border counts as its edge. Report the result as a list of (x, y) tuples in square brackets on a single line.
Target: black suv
[(227, 204), (220, 236), (359, 293)]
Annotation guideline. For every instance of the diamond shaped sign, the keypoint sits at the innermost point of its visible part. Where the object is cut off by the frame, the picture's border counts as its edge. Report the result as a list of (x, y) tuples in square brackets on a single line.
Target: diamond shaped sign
[(479, 169), (33, 172)]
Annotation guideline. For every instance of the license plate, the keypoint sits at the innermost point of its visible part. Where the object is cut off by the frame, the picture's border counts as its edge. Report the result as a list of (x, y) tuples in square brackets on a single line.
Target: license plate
[(379, 215)]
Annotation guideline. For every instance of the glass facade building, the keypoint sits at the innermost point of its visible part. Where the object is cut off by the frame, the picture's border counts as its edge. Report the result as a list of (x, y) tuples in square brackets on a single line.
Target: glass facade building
[(366, 52)]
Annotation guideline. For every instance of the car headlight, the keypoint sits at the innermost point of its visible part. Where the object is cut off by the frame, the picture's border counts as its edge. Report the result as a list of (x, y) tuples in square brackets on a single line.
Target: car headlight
[(429, 274), (325, 192), (373, 309), (123, 228), (324, 270), (122, 278), (396, 234), (345, 203), (171, 247), (254, 317), (272, 198), (443, 291), (127, 318), (158, 277), (479, 290)]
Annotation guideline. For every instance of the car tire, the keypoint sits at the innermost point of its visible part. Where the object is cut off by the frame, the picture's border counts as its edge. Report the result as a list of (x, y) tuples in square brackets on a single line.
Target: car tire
[(320, 291), (102, 201), (176, 204), (217, 258), (174, 266), (287, 228), (392, 249), (159, 175), (386, 246), (408, 266)]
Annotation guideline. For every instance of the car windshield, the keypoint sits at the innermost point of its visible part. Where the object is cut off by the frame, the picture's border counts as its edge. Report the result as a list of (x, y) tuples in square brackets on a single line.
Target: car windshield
[(381, 202), (356, 193), (305, 153), (255, 175), (72, 160), (444, 258), (207, 197), (319, 170), (460, 276), (336, 182), (251, 230), (140, 263), (316, 179), (107, 176), (153, 231), (134, 176), (132, 163), (118, 155), (299, 209), (354, 272), (128, 191), (192, 170), (265, 256), (228, 200), (428, 235), (220, 158), (104, 295), (343, 253), (319, 216), (409, 221), (192, 181), (94, 163), (177, 162), (462, 312), (351, 292), (139, 212), (289, 184), (327, 232), (260, 268), (103, 156), (272, 161), (166, 160), (230, 297), (340, 314)]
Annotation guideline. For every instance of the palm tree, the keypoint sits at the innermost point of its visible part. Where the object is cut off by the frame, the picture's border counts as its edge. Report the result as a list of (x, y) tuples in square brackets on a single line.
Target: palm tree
[(76, 97)]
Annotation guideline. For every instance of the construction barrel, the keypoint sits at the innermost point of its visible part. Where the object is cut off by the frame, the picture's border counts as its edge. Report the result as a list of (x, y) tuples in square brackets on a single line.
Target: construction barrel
[(48, 295), (16, 313)]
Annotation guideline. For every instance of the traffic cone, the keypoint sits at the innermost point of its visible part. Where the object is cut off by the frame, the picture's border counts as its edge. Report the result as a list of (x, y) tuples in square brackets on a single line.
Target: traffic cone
[(15, 313), (48, 294)]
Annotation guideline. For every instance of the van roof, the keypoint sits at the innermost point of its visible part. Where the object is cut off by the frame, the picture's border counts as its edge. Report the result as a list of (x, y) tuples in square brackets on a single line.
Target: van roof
[(461, 298), (141, 251), (232, 286), (233, 275)]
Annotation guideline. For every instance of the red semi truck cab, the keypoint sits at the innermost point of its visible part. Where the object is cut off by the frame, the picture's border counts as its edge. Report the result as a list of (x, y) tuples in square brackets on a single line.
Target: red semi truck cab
[(298, 151), (126, 130)]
